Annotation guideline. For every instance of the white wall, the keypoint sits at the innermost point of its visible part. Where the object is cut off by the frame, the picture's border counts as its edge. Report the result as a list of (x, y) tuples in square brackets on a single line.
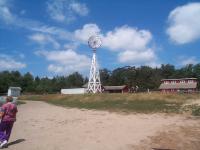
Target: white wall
[(14, 92), (73, 91)]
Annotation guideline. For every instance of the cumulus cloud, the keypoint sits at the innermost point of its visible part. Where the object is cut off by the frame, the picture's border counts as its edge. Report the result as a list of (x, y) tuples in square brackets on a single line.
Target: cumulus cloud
[(87, 31), (65, 61), (184, 23), (66, 10), (131, 44), (9, 63), (127, 38), (44, 39)]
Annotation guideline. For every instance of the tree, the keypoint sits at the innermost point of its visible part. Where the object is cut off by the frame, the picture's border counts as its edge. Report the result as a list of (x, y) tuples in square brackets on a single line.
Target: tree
[(4, 81), (105, 76), (196, 71), (27, 82), (144, 74), (167, 71), (144, 77), (116, 77), (75, 80)]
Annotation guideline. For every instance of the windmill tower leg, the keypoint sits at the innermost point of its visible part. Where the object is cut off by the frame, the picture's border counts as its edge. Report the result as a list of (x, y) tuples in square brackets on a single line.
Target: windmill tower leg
[(94, 84)]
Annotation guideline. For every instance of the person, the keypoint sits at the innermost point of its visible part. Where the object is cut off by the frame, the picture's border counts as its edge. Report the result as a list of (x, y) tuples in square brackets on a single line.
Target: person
[(8, 113)]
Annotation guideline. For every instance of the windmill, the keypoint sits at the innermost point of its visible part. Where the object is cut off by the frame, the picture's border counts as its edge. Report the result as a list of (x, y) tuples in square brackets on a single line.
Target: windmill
[(94, 84)]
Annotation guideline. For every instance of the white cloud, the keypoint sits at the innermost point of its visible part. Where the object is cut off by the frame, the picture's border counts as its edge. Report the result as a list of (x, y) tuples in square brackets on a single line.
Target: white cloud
[(127, 38), (88, 30), (5, 13), (183, 60), (131, 44), (122, 40), (44, 39), (137, 56), (66, 10), (9, 63), (65, 61), (184, 23), (80, 9), (58, 32), (12, 19)]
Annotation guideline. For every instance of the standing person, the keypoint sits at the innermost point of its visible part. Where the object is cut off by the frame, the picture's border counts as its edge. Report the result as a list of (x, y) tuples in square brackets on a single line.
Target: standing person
[(8, 117)]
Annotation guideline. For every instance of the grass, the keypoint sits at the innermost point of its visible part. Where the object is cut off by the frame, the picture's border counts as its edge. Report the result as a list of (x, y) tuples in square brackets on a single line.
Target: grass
[(143, 106), (20, 102), (137, 102), (101, 97), (196, 111)]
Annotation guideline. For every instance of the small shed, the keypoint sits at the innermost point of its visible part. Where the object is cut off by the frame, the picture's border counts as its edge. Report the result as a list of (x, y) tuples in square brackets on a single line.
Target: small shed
[(74, 91), (14, 91), (116, 89)]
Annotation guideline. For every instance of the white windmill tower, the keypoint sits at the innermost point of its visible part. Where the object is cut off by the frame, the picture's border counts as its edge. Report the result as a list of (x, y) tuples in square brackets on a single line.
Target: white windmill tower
[(94, 84)]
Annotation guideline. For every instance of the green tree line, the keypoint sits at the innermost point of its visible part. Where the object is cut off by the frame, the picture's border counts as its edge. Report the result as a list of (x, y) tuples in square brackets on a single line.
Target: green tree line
[(30, 84), (144, 77)]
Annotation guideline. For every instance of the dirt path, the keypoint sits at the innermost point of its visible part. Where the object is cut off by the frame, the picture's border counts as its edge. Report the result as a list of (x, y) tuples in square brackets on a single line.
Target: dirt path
[(41, 126)]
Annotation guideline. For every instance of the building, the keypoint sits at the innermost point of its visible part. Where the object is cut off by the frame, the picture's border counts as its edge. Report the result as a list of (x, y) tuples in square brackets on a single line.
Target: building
[(74, 91), (116, 89), (186, 85), (105, 89), (14, 91)]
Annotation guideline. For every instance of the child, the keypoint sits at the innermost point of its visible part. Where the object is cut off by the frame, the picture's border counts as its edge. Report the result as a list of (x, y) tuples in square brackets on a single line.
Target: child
[(8, 117)]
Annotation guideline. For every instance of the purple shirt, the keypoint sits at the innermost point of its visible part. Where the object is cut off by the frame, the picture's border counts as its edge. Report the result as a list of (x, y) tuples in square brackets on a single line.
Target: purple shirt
[(10, 111)]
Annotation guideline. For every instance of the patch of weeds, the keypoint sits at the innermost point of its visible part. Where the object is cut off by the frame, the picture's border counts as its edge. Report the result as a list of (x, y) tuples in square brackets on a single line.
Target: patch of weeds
[(20, 102), (196, 110)]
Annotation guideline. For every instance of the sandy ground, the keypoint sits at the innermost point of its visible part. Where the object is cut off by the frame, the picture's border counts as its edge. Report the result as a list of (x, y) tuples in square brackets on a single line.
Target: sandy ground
[(41, 126)]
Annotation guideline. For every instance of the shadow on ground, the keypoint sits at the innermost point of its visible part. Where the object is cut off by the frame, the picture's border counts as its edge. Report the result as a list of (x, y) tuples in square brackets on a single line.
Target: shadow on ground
[(161, 149), (15, 142)]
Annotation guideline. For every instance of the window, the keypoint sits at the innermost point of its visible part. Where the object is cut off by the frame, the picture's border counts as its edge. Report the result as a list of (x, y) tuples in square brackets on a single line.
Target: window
[(166, 82), (173, 82), (190, 81)]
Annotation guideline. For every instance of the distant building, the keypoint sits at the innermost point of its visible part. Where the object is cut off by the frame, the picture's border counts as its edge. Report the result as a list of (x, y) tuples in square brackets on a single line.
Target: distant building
[(85, 85), (116, 89), (105, 89), (186, 85), (14, 91), (74, 91)]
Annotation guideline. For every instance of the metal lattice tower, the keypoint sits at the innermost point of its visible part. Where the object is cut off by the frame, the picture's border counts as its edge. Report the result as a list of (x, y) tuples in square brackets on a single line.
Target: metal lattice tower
[(94, 84)]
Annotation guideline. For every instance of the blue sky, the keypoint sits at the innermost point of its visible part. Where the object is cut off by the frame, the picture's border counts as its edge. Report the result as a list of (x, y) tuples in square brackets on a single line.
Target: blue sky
[(49, 37)]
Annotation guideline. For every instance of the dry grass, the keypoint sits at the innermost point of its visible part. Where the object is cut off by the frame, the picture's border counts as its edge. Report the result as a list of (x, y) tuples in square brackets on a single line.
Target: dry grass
[(178, 98), (136, 102)]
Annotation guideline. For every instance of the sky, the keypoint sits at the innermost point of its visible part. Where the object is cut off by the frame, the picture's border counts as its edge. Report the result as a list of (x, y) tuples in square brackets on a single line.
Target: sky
[(49, 37)]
